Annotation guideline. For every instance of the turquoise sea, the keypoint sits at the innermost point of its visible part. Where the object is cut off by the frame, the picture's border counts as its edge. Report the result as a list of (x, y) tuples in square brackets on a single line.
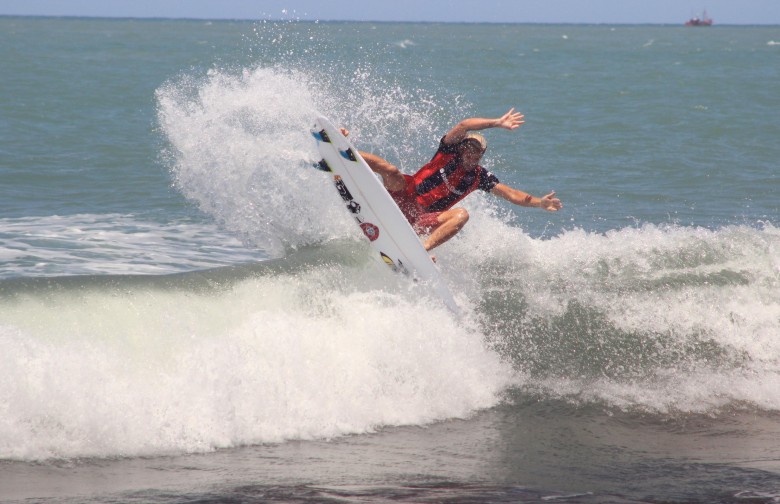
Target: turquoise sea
[(187, 313)]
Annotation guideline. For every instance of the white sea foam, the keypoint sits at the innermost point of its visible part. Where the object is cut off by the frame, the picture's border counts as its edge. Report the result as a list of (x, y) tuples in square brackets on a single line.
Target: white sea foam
[(403, 44), (242, 150), (331, 350), (147, 371), (698, 310), (86, 244)]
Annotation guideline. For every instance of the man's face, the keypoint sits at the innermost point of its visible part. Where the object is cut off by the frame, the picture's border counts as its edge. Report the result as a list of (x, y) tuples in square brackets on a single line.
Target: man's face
[(471, 152)]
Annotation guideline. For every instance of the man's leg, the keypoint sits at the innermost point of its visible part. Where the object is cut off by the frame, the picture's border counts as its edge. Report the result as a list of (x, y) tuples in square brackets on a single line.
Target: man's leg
[(391, 175), (449, 223)]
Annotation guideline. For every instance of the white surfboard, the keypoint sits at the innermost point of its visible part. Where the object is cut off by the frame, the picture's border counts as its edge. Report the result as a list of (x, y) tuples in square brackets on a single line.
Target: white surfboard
[(379, 218)]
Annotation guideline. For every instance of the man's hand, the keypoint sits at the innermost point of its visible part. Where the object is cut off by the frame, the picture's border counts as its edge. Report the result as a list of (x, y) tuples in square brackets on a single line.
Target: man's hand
[(511, 120), (550, 203)]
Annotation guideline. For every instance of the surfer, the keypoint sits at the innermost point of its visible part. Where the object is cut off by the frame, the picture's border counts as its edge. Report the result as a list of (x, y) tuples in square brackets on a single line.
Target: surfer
[(427, 198)]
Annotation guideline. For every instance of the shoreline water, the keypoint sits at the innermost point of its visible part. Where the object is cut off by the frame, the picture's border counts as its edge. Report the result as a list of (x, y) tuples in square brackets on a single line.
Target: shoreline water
[(560, 452)]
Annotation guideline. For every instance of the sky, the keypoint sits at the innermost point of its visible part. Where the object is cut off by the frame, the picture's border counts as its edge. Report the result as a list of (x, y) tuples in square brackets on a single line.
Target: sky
[(513, 11)]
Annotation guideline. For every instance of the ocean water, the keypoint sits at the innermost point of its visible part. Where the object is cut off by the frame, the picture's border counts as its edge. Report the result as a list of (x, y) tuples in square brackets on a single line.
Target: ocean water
[(187, 314)]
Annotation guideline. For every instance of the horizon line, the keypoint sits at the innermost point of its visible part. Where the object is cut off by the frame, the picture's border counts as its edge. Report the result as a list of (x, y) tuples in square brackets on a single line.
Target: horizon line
[(308, 20)]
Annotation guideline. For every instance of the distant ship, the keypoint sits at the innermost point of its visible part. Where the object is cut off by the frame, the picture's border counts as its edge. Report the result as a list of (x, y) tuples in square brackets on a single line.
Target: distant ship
[(702, 21)]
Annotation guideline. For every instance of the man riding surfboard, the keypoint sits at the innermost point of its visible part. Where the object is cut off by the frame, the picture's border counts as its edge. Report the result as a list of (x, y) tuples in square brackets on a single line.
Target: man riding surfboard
[(427, 198)]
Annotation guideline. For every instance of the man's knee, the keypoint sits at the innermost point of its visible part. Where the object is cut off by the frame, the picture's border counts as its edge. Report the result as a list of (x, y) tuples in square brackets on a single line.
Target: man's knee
[(461, 215), (457, 216)]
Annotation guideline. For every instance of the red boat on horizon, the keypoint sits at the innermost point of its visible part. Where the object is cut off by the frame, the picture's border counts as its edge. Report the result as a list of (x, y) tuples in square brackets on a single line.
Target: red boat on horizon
[(702, 21)]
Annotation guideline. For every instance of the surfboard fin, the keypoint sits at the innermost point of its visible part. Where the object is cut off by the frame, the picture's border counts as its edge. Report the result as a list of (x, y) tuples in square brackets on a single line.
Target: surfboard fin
[(348, 154), (322, 165), (399, 268), (388, 261), (321, 136)]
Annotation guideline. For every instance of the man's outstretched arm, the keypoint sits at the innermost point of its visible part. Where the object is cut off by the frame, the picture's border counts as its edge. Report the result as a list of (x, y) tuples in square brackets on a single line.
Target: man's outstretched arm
[(518, 197), (511, 120)]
